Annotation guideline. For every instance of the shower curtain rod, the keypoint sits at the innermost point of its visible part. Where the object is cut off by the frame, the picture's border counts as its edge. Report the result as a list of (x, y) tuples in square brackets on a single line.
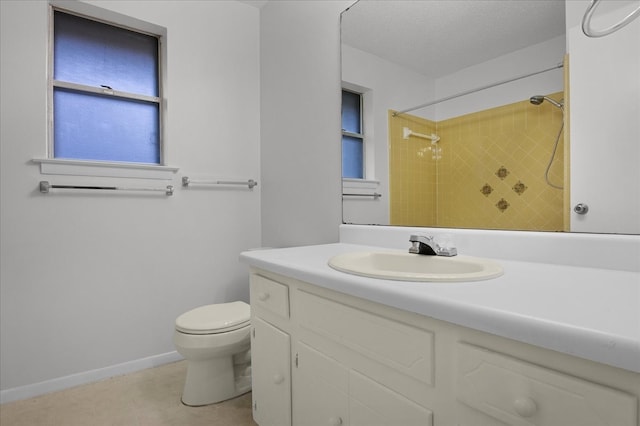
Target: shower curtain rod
[(468, 92)]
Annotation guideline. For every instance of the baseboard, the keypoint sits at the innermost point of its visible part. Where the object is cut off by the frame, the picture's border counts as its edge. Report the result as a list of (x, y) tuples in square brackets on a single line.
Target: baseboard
[(48, 386)]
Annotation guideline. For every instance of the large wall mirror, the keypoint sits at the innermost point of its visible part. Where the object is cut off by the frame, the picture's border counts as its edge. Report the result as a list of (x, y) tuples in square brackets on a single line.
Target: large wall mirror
[(469, 114)]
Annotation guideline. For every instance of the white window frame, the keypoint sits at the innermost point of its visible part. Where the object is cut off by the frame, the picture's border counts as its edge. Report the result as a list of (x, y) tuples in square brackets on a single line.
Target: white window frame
[(360, 135), (51, 165), (368, 180)]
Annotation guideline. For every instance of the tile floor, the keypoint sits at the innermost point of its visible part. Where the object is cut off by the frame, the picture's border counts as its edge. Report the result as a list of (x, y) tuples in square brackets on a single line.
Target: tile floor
[(145, 398)]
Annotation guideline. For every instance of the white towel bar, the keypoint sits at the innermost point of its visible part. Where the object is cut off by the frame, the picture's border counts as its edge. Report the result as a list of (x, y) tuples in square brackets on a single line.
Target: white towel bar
[(374, 195), (45, 186), (250, 183), (406, 132)]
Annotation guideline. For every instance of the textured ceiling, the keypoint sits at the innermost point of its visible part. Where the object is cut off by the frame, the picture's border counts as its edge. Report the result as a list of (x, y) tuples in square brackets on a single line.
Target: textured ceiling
[(437, 37)]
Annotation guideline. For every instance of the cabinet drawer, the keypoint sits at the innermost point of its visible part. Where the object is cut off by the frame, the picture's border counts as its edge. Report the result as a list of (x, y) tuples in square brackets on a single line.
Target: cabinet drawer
[(400, 346), (270, 295), (519, 393)]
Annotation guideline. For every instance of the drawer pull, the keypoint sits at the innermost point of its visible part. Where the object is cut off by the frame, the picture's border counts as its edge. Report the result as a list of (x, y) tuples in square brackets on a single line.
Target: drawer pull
[(263, 296), (335, 421), (278, 378), (525, 406)]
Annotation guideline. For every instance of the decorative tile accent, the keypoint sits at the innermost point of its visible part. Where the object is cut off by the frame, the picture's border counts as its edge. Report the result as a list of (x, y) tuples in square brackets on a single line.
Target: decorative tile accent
[(502, 205), (486, 190), (436, 152), (422, 152), (502, 172), (519, 188)]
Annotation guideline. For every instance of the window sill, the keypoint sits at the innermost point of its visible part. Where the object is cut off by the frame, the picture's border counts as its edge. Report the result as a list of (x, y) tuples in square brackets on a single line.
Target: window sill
[(360, 183), (55, 166), (359, 188)]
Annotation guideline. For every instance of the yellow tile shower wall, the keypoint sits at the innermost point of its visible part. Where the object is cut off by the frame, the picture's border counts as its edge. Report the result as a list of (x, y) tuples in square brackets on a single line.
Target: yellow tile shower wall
[(490, 174), (412, 177)]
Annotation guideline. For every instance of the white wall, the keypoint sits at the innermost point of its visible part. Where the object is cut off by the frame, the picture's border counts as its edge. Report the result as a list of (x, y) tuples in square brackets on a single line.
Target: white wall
[(300, 121), (91, 281), (605, 120)]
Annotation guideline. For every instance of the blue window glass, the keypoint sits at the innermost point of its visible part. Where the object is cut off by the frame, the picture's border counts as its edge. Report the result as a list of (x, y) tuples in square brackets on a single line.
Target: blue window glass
[(351, 114), (96, 54), (89, 126), (352, 154), (352, 137), (107, 127)]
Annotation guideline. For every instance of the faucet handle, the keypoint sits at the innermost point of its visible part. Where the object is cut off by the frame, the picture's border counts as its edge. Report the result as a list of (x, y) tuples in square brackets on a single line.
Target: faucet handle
[(425, 239), (447, 251), (426, 244), (445, 245), (422, 244)]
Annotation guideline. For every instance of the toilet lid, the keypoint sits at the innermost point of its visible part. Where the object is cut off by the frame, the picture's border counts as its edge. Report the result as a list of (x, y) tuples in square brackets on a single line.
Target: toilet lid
[(212, 319)]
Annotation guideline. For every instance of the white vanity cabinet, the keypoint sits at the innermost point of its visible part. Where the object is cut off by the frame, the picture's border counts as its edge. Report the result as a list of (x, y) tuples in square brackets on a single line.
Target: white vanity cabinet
[(330, 393), (325, 358), (270, 352), (363, 362)]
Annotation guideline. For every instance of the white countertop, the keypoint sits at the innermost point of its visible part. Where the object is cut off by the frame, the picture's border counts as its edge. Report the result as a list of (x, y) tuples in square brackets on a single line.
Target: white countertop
[(585, 312)]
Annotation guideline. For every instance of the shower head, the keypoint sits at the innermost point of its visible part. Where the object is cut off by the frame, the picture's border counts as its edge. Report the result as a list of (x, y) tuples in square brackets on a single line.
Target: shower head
[(538, 99)]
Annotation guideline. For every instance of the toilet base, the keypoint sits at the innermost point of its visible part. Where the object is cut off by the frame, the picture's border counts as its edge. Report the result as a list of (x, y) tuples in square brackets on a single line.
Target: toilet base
[(211, 381)]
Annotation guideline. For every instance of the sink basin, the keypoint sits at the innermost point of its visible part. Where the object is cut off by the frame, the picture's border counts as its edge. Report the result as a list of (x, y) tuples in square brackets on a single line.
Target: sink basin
[(398, 265)]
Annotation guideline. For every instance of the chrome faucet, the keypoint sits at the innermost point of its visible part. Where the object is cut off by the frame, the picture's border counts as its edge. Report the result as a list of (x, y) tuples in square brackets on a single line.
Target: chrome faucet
[(425, 244)]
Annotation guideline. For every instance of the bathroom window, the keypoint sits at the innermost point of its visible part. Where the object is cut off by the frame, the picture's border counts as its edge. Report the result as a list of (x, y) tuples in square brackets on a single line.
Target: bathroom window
[(352, 136), (105, 91)]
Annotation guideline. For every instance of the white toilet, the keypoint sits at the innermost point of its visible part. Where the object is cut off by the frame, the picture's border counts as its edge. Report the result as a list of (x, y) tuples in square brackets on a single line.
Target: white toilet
[(215, 342)]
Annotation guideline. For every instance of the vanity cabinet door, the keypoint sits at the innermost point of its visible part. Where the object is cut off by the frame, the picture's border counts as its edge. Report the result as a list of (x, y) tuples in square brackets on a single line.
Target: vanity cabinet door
[(372, 404), (321, 387), (271, 374), (327, 392)]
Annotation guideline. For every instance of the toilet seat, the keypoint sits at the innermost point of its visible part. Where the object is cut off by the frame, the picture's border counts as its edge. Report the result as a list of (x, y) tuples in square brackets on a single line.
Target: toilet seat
[(214, 319)]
